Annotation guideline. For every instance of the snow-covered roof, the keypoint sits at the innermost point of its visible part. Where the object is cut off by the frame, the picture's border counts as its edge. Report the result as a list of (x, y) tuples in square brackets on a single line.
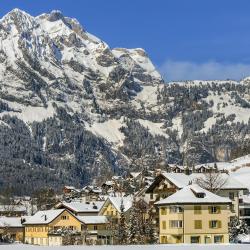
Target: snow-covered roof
[(135, 174), (82, 207), (10, 221), (109, 183), (93, 219), (117, 177), (193, 194), (242, 175), (93, 189), (246, 199), (69, 187), (181, 180), (116, 201), (43, 217), (12, 208)]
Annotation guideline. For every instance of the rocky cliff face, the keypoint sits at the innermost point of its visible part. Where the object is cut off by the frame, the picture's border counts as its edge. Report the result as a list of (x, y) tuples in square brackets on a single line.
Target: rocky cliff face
[(71, 108)]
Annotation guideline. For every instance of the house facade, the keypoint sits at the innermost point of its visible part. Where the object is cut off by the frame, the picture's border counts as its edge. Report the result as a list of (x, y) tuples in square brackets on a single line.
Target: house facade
[(193, 215), (11, 226), (38, 227)]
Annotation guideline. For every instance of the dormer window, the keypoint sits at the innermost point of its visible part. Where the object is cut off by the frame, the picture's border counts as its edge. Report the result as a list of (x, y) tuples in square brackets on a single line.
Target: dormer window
[(198, 192), (200, 195)]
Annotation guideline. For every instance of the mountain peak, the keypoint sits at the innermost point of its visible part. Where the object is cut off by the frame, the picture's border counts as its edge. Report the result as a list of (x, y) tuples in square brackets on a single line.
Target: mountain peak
[(55, 15), (16, 12)]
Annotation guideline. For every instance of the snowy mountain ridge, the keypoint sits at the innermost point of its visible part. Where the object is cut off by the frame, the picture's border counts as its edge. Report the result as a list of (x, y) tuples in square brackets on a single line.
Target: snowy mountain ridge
[(72, 108)]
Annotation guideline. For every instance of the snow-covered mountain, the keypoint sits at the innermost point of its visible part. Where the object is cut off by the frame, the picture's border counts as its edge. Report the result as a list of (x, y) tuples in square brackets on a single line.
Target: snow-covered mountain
[(71, 108)]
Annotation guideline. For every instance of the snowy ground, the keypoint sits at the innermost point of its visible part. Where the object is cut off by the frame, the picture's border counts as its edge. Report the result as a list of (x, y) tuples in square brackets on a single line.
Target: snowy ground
[(148, 247)]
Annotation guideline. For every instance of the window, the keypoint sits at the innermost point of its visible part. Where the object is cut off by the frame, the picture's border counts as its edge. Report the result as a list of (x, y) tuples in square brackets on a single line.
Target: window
[(64, 217), (151, 196), (218, 239), (163, 211), (195, 239), (164, 239), (95, 227), (176, 209), (164, 225), (197, 209), (198, 224), (214, 210), (175, 224), (215, 224), (232, 208), (231, 196)]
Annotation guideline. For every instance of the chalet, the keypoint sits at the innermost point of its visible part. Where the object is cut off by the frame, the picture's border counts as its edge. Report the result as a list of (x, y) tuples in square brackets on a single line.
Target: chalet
[(47, 223), (112, 207), (13, 227), (194, 215), (91, 193), (69, 189)]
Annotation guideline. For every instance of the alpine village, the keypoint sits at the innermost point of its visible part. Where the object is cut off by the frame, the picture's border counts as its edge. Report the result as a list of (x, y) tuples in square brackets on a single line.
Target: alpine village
[(96, 149)]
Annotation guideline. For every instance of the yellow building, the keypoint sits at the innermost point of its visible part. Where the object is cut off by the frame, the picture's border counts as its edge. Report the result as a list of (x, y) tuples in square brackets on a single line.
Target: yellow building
[(39, 226), (166, 184), (194, 215), (111, 207), (46, 228), (11, 227)]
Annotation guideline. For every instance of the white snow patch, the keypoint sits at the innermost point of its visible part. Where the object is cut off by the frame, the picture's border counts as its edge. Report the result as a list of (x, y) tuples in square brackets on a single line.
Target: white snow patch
[(148, 95), (177, 125), (109, 130), (30, 114), (153, 127), (242, 114)]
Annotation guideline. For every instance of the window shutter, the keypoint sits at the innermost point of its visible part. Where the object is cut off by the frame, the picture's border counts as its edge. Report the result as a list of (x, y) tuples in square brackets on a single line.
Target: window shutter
[(210, 209), (219, 209), (210, 224), (219, 224)]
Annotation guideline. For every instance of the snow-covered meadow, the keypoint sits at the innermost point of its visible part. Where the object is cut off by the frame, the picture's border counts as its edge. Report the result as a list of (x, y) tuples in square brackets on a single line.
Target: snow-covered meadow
[(138, 247)]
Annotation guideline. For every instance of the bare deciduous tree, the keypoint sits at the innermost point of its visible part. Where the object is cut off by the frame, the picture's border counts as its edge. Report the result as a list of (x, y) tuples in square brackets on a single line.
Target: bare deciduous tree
[(211, 181)]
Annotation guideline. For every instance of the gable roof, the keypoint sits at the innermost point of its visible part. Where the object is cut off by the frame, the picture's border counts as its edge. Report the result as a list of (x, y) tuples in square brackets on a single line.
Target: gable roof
[(10, 221), (135, 174), (44, 217), (82, 207), (190, 195), (116, 202), (180, 180), (93, 219)]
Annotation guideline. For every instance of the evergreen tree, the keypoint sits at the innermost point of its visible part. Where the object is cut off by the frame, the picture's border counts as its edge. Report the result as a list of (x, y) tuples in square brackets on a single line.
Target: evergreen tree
[(236, 228), (122, 231), (150, 228), (134, 234)]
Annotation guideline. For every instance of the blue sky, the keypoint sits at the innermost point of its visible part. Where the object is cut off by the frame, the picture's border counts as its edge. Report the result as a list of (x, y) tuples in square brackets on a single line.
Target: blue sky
[(186, 39)]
